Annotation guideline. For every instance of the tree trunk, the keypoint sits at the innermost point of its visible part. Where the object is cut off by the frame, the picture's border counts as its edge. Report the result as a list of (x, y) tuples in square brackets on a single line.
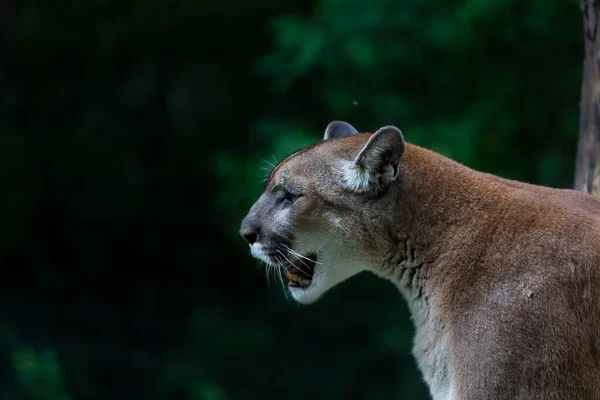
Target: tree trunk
[(587, 170)]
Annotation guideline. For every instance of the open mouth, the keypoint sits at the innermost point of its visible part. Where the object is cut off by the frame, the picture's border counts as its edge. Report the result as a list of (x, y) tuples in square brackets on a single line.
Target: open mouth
[(300, 272)]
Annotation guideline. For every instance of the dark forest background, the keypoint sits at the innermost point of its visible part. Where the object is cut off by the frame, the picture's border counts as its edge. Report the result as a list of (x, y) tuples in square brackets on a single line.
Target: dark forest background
[(134, 136)]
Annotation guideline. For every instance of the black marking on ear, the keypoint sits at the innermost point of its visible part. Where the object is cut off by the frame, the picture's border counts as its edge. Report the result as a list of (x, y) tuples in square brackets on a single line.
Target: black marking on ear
[(339, 128)]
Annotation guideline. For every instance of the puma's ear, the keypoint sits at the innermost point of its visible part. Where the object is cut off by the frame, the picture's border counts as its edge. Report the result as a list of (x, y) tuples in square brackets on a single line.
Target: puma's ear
[(337, 129), (377, 164)]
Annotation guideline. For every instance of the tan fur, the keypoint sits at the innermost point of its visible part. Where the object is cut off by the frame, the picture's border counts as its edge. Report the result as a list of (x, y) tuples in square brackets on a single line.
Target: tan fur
[(502, 277)]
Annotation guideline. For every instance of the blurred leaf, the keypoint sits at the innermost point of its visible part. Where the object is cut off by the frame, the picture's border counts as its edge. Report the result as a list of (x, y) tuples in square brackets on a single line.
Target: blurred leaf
[(39, 375)]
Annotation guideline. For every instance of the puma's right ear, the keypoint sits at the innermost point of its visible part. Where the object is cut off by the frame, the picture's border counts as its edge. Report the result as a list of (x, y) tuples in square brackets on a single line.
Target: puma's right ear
[(377, 164), (337, 129)]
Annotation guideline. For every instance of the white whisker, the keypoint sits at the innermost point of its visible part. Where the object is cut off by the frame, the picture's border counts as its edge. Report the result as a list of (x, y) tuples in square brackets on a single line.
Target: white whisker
[(269, 163), (285, 236), (288, 260), (285, 292), (268, 169), (295, 253), (267, 272), (299, 258), (337, 223)]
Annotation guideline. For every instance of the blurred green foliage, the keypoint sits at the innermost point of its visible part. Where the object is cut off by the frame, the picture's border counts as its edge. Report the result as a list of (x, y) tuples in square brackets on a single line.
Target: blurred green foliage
[(135, 138), (39, 376)]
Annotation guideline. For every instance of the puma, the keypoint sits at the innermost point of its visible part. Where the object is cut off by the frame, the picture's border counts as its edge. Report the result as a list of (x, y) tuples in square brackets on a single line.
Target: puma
[(502, 278)]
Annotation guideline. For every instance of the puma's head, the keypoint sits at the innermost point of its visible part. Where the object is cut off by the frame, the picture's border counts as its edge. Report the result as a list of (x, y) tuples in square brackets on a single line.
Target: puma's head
[(316, 220)]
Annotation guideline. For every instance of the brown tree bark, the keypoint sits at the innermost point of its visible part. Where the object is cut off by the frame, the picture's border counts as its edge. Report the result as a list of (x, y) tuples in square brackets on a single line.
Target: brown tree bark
[(587, 169)]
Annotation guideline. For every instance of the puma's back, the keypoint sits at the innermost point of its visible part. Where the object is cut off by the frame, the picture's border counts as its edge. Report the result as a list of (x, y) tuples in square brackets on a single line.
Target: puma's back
[(524, 309)]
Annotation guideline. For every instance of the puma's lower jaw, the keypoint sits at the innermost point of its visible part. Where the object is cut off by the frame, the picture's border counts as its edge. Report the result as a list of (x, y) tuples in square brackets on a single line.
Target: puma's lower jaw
[(312, 292), (325, 276)]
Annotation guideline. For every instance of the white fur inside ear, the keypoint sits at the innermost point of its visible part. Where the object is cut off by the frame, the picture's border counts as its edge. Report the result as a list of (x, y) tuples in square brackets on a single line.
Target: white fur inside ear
[(376, 165), (388, 175), (356, 177)]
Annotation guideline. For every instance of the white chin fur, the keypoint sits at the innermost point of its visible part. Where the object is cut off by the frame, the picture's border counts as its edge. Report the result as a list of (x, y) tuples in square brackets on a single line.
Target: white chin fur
[(313, 292), (324, 278), (257, 252)]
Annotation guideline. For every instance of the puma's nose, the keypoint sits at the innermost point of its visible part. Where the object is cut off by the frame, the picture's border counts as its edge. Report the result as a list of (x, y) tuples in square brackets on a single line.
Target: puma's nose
[(249, 235), (249, 231)]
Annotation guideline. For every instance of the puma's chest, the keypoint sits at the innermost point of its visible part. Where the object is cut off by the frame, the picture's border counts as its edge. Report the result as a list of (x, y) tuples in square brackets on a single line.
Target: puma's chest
[(431, 352)]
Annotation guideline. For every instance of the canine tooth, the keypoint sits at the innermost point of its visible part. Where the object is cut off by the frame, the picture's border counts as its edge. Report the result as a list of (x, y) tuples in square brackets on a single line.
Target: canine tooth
[(293, 277), (305, 281)]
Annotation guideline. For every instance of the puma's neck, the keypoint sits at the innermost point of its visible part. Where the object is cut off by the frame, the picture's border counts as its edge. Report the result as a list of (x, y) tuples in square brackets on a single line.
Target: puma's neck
[(441, 206)]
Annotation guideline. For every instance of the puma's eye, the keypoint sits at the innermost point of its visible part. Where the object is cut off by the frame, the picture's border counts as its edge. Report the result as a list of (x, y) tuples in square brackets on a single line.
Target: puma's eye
[(287, 198)]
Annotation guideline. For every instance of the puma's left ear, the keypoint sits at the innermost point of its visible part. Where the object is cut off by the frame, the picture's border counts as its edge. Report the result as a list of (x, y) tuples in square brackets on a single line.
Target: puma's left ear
[(377, 164), (339, 128)]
